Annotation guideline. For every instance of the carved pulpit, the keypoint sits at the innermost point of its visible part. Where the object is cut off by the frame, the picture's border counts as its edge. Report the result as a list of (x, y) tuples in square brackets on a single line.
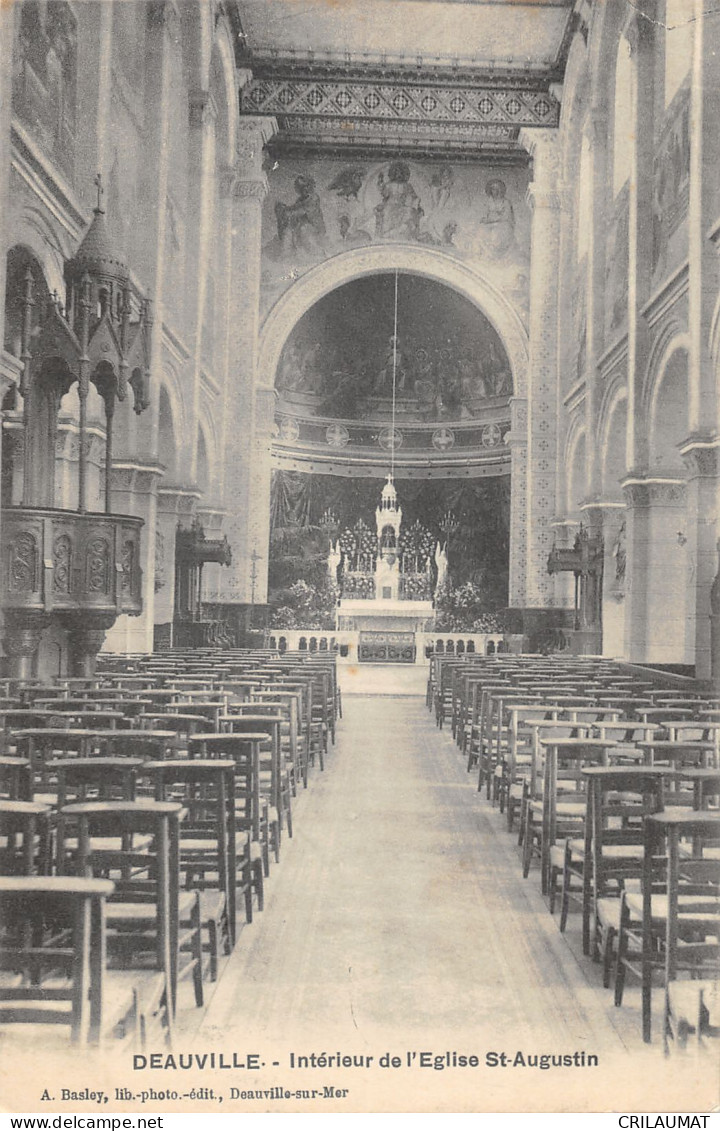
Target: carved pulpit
[(585, 561)]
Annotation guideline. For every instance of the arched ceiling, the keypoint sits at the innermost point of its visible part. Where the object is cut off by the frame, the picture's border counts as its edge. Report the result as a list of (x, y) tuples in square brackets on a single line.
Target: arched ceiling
[(457, 77)]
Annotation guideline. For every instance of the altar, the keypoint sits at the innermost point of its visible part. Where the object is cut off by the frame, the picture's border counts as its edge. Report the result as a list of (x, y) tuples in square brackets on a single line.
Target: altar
[(386, 585)]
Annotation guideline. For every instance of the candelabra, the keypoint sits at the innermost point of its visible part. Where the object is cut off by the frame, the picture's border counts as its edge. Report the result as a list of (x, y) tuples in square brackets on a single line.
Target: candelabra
[(449, 526)]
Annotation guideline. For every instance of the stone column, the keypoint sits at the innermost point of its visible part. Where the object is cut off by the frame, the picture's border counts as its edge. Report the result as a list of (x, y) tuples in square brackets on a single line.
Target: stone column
[(176, 507), (703, 211), (564, 528), (163, 28), (657, 570), (201, 143), (134, 487), (7, 35), (605, 519), (135, 471), (595, 293), (640, 36), (21, 639), (639, 518), (247, 494), (702, 460), (516, 440), (715, 627), (701, 450), (86, 635), (545, 202)]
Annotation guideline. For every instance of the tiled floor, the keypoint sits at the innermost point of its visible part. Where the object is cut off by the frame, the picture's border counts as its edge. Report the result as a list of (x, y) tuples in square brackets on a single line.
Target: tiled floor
[(399, 920)]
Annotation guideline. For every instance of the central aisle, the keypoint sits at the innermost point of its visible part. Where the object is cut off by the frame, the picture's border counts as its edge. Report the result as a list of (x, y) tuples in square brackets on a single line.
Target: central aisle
[(398, 919)]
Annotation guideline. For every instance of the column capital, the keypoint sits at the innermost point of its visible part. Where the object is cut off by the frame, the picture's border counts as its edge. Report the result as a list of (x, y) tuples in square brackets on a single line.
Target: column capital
[(178, 500), (656, 490), (252, 135), (701, 457), (255, 189), (543, 145)]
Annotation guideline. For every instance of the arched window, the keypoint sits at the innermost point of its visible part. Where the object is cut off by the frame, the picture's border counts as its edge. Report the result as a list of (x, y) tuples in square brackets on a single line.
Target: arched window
[(470, 646), (282, 645), (302, 644), (313, 644), (490, 648), (460, 650), (623, 134), (450, 648), (439, 648), (678, 46)]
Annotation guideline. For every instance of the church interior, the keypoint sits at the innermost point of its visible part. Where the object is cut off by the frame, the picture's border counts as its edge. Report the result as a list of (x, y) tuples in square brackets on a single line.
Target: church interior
[(360, 535)]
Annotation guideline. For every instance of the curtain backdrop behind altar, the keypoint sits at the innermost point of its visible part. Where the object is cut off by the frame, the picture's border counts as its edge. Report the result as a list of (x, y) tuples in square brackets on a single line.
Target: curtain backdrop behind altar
[(479, 548)]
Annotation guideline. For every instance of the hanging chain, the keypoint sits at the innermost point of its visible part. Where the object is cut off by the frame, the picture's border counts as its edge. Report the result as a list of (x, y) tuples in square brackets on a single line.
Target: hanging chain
[(394, 378)]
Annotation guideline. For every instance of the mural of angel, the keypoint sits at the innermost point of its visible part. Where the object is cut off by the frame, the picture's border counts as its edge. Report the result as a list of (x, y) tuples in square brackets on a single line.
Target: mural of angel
[(300, 225), (441, 184), (497, 224)]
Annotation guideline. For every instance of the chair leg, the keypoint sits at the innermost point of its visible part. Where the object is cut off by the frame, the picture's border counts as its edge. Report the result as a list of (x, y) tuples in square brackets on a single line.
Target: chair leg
[(553, 889), (527, 846), (607, 955), (565, 901), (213, 948), (196, 928), (620, 960), (258, 884)]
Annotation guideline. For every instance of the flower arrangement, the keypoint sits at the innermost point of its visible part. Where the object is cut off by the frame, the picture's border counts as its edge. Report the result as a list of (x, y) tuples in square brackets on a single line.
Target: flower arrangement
[(464, 609), (303, 605), (415, 587), (359, 585), (416, 546)]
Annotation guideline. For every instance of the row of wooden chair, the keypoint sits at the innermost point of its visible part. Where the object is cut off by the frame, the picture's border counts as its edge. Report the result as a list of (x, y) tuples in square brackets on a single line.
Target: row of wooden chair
[(616, 783), (133, 842)]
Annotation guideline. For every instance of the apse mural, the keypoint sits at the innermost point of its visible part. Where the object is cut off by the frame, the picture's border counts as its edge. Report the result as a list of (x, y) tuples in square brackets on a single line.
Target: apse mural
[(316, 209), (338, 362)]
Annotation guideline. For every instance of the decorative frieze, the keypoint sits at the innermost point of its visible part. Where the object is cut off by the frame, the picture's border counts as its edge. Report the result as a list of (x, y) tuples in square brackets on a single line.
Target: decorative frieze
[(654, 492)]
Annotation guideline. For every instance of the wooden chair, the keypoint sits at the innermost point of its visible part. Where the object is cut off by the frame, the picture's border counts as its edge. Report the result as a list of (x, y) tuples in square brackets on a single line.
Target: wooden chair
[(250, 850), (692, 1008), (16, 782), (25, 844), (564, 799), (673, 923), (611, 851), (146, 908), (206, 790), (274, 777), (52, 953)]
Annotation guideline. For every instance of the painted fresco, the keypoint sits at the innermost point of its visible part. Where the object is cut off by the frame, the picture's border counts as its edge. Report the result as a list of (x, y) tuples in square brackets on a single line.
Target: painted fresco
[(316, 209), (448, 360), (671, 186)]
